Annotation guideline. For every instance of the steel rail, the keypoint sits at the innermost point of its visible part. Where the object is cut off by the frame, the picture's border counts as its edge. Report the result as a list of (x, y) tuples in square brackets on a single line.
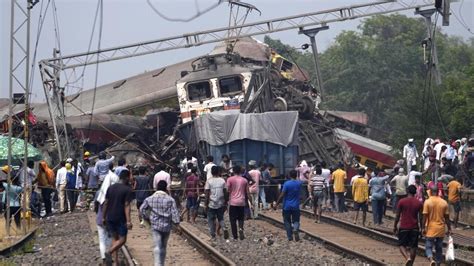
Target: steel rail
[(211, 253), (374, 234), (18, 244), (205, 248), (469, 247), (327, 243)]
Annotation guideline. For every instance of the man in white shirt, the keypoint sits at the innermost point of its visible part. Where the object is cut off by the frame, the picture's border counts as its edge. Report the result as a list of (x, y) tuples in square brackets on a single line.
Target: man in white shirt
[(61, 186), (189, 159), (216, 202), (326, 173), (208, 166), (161, 175), (438, 148), (411, 176), (110, 179), (410, 154)]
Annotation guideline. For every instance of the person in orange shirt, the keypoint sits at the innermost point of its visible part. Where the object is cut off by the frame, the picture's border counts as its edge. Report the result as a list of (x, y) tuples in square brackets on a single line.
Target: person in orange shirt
[(46, 181), (339, 179), (435, 218), (454, 199)]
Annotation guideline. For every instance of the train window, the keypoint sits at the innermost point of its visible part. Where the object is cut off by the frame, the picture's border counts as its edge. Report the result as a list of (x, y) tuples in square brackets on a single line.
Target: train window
[(230, 85), (286, 65), (371, 164), (199, 91), (358, 159)]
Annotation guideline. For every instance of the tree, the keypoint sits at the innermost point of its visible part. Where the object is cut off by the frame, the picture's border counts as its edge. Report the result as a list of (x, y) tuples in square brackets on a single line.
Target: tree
[(380, 70)]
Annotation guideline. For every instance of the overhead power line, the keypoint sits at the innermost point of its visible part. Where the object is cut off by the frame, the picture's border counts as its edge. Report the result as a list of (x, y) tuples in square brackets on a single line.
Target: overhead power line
[(198, 12), (101, 23)]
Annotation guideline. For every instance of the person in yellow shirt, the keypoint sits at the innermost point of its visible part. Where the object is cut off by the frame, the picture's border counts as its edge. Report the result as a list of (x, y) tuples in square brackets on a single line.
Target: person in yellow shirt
[(339, 179), (360, 194), (454, 199), (435, 218)]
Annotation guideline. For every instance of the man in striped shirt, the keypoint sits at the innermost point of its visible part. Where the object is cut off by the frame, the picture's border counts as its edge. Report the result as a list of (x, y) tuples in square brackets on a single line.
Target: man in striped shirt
[(316, 190)]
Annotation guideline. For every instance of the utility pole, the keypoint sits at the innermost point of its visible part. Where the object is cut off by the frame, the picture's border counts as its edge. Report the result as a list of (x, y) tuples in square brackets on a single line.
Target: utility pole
[(19, 77), (433, 63), (311, 33)]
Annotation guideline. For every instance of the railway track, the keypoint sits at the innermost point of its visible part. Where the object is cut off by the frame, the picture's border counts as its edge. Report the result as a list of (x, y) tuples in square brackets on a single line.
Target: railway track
[(367, 244), (184, 249), (386, 236), (460, 240)]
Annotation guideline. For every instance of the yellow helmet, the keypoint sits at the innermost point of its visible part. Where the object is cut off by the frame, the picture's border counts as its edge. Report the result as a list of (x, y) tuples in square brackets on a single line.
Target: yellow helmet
[(6, 168), (86, 154)]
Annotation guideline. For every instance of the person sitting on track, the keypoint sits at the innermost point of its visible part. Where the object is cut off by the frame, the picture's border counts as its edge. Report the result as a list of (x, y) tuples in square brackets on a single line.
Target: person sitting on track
[(409, 213)]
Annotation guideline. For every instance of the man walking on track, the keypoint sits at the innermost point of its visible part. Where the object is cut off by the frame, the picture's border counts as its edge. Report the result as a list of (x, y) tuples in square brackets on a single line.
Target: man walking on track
[(238, 193), (435, 217), (360, 194), (160, 209), (290, 193), (454, 198), (339, 178), (409, 213), (316, 190), (216, 202), (116, 214)]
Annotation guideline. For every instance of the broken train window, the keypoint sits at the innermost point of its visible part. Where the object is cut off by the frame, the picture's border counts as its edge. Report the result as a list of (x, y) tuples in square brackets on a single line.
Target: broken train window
[(230, 85), (199, 91)]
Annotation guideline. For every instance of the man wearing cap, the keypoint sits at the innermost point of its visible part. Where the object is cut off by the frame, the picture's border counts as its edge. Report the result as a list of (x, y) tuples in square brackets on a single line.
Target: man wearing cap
[(410, 154)]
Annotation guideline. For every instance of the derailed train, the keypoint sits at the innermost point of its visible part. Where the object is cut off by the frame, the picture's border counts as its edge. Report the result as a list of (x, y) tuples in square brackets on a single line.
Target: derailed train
[(257, 80), (249, 77)]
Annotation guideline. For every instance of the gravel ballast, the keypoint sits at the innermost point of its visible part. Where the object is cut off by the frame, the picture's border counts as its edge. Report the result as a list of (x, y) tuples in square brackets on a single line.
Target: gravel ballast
[(65, 239)]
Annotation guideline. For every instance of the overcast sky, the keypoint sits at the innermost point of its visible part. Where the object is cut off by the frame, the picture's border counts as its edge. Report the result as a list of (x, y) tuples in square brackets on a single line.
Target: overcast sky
[(131, 21)]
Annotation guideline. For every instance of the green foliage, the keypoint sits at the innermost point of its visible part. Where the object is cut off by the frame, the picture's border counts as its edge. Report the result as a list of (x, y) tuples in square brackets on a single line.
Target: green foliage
[(380, 69)]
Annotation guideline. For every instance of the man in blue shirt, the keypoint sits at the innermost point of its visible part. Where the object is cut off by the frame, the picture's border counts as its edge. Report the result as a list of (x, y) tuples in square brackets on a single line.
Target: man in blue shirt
[(290, 193)]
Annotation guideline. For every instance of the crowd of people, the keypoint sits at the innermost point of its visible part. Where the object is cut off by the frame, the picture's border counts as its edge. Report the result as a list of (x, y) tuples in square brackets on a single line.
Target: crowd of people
[(417, 189)]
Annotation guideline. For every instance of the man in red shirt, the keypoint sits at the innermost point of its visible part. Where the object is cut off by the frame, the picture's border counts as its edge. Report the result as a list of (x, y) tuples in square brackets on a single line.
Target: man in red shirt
[(409, 213), (192, 193)]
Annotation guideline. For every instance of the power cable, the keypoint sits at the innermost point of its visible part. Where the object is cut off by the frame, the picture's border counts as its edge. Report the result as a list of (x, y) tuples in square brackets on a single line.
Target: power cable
[(198, 13), (101, 22), (430, 78), (462, 22), (41, 19), (81, 76)]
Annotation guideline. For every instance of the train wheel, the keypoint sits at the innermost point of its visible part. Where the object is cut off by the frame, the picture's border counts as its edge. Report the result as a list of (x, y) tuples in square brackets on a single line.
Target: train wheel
[(279, 104)]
